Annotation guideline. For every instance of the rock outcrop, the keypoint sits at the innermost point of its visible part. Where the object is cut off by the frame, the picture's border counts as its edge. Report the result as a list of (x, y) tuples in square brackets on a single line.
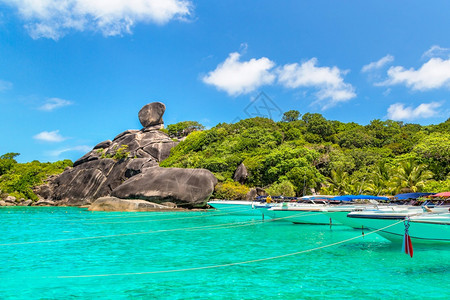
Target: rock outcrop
[(151, 114), (116, 204), (128, 167), (11, 199), (254, 193), (188, 187), (241, 174)]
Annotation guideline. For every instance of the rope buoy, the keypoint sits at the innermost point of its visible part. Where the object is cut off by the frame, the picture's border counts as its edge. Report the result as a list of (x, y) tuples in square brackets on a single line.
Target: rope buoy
[(407, 244)]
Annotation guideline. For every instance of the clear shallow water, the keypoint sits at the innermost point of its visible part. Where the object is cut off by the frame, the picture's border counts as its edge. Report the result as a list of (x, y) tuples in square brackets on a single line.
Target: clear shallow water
[(370, 268)]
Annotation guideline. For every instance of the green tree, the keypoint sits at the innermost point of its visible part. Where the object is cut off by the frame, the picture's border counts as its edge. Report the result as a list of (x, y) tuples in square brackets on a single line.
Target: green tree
[(411, 176), (434, 186), (317, 124), (7, 161), (184, 128), (434, 150), (284, 188), (380, 182), (290, 116), (21, 178), (338, 182)]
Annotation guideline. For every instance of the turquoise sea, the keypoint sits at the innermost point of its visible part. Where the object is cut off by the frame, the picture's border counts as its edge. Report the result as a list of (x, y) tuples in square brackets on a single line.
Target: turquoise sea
[(57, 253)]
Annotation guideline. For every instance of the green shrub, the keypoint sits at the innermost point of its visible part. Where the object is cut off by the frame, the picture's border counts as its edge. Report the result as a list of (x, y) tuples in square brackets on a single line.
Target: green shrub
[(20, 178), (283, 188), (230, 190), (121, 153)]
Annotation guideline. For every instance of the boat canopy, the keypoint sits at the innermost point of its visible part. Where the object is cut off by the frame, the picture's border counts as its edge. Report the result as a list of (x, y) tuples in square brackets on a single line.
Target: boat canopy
[(411, 195), (443, 195), (310, 197), (316, 197), (359, 197)]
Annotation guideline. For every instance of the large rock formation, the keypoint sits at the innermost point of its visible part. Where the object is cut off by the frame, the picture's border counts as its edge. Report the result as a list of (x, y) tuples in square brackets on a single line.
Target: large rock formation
[(116, 204), (131, 160), (151, 114), (181, 186), (241, 174)]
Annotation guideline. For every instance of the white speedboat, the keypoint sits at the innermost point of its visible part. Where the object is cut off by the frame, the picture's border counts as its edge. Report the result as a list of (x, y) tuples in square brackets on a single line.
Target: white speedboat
[(339, 212), (241, 207), (300, 213), (424, 226), (431, 227)]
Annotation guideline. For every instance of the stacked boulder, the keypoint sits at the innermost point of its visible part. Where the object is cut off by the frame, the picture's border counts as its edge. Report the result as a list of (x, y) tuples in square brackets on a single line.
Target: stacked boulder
[(127, 167)]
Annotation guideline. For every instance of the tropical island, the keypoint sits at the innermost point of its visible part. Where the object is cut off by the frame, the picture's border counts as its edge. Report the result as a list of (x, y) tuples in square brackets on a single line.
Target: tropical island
[(298, 155)]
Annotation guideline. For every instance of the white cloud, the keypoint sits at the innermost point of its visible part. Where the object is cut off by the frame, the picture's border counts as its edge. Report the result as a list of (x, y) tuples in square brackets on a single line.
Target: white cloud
[(54, 18), (437, 51), (49, 136), (236, 77), (82, 149), (378, 64), (433, 74), (329, 81), (398, 111), (54, 103), (5, 85)]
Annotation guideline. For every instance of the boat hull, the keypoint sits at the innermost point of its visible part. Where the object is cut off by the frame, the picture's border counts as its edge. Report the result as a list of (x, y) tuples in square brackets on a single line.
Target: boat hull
[(301, 216), (418, 231), (240, 208), (341, 217)]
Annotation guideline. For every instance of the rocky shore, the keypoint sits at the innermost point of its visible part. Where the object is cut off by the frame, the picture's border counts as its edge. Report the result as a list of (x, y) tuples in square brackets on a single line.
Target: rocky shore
[(124, 174)]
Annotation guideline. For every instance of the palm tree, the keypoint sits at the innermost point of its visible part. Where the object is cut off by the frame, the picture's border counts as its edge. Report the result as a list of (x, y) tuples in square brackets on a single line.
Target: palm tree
[(357, 186), (380, 182), (411, 176), (338, 181)]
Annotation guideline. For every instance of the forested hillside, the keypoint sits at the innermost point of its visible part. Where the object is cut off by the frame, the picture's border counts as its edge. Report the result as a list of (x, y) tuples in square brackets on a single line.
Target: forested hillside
[(298, 155), (17, 179), (302, 154)]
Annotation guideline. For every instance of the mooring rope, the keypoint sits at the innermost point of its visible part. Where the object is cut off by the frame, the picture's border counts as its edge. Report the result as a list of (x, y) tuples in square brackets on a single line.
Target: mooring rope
[(206, 227), (117, 235), (309, 213), (152, 213), (230, 264), (207, 214)]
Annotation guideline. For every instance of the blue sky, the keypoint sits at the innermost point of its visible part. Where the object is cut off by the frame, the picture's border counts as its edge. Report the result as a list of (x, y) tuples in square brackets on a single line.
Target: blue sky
[(74, 73)]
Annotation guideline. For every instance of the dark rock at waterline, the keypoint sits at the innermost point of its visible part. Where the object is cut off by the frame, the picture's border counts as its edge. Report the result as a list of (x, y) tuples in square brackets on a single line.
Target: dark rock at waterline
[(11, 199), (85, 181), (187, 187), (116, 204), (26, 203), (132, 153), (241, 174), (261, 191), (251, 195), (151, 114), (96, 174), (45, 190), (44, 203)]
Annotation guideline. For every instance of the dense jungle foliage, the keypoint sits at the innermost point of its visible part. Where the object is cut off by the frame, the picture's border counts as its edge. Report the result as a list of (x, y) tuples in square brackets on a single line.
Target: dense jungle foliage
[(302, 154), (296, 156), (18, 179)]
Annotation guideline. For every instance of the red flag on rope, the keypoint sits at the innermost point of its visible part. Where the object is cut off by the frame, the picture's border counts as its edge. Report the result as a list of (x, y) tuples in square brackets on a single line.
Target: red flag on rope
[(407, 244)]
